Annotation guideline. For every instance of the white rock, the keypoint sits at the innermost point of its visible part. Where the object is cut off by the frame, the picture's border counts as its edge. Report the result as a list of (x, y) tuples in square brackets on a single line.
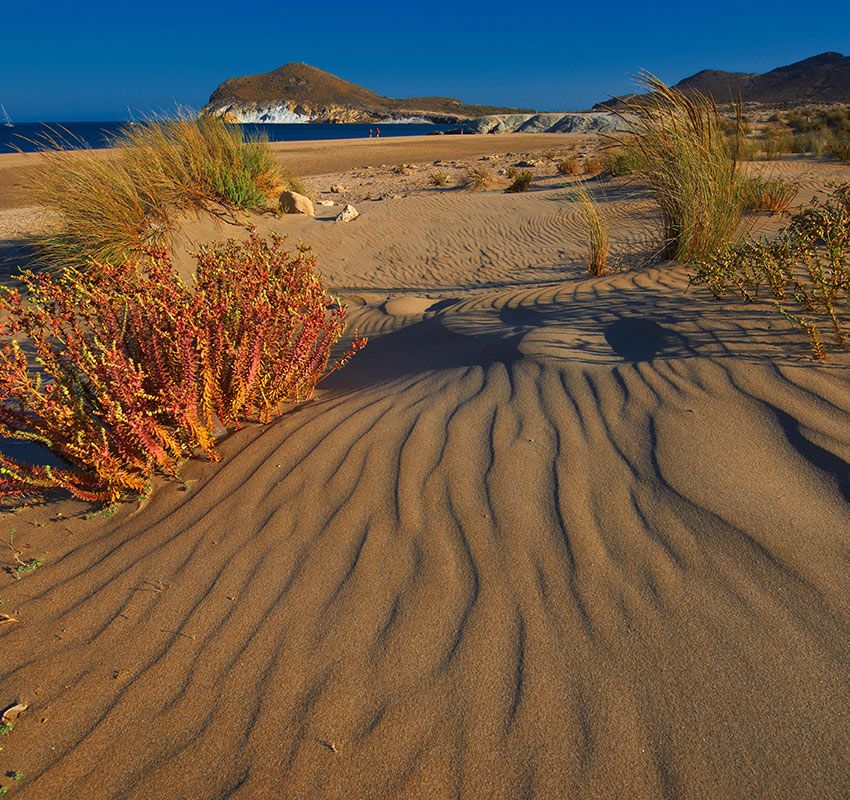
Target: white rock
[(601, 121), (348, 213), (326, 202)]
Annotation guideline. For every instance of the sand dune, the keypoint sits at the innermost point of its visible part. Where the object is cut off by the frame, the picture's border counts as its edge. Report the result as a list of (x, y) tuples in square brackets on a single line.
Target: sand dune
[(545, 537)]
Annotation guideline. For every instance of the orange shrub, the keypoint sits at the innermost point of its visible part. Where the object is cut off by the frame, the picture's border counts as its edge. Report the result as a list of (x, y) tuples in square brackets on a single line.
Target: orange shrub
[(133, 370), (568, 166)]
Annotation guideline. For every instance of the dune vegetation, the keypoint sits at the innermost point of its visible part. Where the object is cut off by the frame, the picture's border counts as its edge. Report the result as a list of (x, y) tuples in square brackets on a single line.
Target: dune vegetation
[(768, 194), (110, 209), (439, 179), (568, 165), (480, 179), (680, 152), (593, 218), (134, 371), (113, 364), (818, 132), (806, 271), (521, 181), (620, 158)]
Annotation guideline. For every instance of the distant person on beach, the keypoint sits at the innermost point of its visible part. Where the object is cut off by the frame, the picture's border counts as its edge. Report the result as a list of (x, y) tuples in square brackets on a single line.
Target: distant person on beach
[(370, 133), (378, 133)]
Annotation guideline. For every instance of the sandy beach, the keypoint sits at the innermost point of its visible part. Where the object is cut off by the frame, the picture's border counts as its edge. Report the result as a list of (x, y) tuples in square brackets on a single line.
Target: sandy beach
[(338, 155), (547, 536)]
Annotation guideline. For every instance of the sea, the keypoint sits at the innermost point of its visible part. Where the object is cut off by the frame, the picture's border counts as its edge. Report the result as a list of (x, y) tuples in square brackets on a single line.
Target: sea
[(32, 136)]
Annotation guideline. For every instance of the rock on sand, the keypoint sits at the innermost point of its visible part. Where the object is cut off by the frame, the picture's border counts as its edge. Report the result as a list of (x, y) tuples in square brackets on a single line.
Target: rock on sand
[(348, 213), (294, 203)]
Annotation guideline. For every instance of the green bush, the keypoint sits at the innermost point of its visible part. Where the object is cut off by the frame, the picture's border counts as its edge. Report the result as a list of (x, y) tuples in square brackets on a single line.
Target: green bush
[(620, 160)]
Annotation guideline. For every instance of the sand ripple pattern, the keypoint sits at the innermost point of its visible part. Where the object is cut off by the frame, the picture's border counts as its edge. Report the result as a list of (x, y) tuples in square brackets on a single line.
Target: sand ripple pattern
[(473, 240), (527, 546)]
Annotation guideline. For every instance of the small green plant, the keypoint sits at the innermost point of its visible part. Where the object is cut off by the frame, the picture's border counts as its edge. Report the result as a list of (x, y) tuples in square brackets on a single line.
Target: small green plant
[(521, 182), (594, 220), (27, 566), (21, 566), (6, 728), (768, 194), (623, 159), (439, 178)]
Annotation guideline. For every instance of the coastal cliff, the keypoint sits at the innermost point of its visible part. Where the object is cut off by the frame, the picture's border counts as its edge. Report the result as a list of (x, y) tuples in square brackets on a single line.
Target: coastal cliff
[(301, 93)]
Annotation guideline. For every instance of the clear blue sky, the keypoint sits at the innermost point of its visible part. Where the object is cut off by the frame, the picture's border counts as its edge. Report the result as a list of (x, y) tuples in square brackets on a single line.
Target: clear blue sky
[(90, 59)]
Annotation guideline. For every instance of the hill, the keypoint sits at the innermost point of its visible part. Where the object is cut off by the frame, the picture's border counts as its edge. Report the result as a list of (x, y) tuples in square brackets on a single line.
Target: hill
[(824, 78), (301, 93)]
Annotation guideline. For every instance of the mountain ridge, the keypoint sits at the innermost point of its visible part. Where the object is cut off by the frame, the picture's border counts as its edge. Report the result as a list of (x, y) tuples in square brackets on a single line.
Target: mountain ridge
[(823, 78)]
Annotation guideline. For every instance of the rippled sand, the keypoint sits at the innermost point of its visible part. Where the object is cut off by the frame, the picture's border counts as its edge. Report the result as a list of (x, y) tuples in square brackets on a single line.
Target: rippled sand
[(545, 537)]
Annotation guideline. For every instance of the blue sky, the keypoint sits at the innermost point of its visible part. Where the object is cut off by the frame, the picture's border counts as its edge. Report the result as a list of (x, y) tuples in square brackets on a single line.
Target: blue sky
[(90, 59)]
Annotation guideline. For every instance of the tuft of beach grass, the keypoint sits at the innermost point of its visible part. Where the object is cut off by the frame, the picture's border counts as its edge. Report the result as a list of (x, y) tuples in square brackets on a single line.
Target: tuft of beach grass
[(110, 205)]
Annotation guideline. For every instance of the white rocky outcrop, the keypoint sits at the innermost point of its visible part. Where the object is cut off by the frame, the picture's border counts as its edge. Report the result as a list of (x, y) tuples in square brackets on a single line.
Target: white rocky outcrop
[(554, 122), (273, 114)]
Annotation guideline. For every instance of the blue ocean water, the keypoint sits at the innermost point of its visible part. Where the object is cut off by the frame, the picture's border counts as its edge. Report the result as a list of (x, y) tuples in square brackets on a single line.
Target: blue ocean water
[(30, 136)]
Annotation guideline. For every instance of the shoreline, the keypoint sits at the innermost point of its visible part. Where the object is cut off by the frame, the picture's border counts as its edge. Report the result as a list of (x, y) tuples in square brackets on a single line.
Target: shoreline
[(320, 156)]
